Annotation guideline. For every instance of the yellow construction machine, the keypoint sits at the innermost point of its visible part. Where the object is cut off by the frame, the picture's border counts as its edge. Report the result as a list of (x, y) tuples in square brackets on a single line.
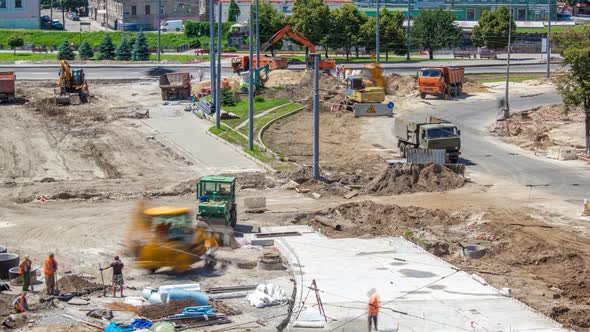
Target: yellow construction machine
[(70, 81), (368, 100), (167, 237)]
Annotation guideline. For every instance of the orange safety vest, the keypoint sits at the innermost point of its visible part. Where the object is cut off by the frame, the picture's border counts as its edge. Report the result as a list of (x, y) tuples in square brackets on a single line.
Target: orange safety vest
[(373, 305), (23, 266), (50, 266)]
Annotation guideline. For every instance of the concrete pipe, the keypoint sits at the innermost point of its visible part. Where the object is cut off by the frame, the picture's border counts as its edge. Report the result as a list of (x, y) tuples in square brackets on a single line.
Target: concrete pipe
[(3, 249), (16, 279), (7, 261)]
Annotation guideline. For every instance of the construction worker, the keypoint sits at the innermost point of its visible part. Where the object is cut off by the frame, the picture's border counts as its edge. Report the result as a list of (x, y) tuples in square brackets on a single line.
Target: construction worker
[(337, 72), (50, 270), (373, 308), (343, 72), (20, 304), (84, 93), (200, 75), (24, 270), (117, 266)]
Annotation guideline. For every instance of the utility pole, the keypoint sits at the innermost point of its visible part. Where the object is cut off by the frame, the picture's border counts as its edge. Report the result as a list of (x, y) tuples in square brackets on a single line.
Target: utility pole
[(377, 46), (250, 83), (316, 116), (257, 37), (219, 51), (409, 18), (212, 48), (549, 42), (51, 10), (158, 24), (63, 14), (106, 14), (507, 104)]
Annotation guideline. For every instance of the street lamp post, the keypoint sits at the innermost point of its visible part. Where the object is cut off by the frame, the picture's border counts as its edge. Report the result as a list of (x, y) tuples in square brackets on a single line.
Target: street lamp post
[(159, 32), (377, 39), (251, 84), (212, 47), (549, 42), (219, 51), (257, 37), (507, 104), (408, 37)]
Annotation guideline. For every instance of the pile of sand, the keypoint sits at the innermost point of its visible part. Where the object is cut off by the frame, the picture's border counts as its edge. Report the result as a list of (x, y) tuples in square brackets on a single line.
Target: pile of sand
[(399, 85), (73, 284), (284, 77), (409, 178), (471, 86)]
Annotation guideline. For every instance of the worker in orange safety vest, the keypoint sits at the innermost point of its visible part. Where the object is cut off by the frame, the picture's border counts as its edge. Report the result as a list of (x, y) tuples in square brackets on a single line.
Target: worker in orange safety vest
[(50, 269), (373, 308), (24, 270), (21, 304)]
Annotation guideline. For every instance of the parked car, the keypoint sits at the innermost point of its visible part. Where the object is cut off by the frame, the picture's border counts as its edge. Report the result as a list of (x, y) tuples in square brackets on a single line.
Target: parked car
[(133, 26), (56, 25), (73, 16), (174, 25), (486, 53), (45, 22)]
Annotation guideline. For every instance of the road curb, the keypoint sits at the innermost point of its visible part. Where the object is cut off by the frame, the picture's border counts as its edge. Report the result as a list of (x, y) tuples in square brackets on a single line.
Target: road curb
[(268, 124)]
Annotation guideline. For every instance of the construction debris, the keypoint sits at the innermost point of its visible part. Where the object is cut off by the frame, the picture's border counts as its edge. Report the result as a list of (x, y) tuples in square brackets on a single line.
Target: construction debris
[(74, 284), (157, 311), (267, 295), (408, 178)]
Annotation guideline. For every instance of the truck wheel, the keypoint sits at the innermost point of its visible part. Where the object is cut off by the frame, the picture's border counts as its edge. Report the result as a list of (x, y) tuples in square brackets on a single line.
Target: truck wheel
[(402, 150), (234, 216), (422, 95), (454, 160)]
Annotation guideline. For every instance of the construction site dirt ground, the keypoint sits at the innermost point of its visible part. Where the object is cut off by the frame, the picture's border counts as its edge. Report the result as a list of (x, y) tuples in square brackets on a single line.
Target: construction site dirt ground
[(70, 180)]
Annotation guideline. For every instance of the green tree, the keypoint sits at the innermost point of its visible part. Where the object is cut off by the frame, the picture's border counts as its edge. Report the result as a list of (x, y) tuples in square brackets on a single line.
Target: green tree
[(233, 13), (15, 41), (345, 23), (64, 51), (123, 51), (393, 35), (492, 29), (85, 51), (106, 49), (140, 50), (574, 85), (435, 29), (271, 21), (312, 19)]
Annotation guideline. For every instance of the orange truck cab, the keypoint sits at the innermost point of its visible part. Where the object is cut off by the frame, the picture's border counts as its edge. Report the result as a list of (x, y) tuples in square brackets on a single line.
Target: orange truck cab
[(241, 63), (441, 81)]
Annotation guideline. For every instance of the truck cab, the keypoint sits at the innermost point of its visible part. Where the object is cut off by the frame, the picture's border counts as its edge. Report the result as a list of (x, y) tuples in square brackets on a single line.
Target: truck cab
[(217, 200), (441, 136), (441, 81)]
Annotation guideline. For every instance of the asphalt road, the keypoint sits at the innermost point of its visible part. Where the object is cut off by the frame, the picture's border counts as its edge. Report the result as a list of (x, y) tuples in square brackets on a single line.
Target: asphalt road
[(487, 155), (133, 72)]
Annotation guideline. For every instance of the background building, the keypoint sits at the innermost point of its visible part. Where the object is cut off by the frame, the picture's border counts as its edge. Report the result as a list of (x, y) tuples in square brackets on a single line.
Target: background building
[(20, 14), (143, 14), (284, 6), (470, 10)]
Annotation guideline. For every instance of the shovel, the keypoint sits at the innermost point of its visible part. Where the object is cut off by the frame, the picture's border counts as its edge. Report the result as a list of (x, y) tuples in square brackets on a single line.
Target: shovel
[(104, 288)]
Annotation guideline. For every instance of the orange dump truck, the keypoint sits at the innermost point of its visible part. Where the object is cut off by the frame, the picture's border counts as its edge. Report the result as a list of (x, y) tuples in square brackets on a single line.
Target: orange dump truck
[(7, 86), (241, 63), (441, 81)]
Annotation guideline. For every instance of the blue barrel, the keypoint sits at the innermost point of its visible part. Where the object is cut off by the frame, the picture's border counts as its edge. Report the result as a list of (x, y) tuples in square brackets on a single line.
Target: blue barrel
[(200, 298)]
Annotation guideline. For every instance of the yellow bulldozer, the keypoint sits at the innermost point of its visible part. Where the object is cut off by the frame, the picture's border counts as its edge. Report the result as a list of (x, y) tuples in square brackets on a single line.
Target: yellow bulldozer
[(167, 237)]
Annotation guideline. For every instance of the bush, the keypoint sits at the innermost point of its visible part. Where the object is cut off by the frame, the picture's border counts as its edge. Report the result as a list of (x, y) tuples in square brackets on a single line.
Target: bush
[(140, 48), (258, 99), (194, 29), (106, 49), (230, 49), (228, 98), (123, 51), (15, 41), (85, 51), (195, 43), (64, 52)]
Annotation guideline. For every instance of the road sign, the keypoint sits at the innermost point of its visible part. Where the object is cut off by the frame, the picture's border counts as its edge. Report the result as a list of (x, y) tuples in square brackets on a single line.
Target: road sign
[(391, 105), (371, 109)]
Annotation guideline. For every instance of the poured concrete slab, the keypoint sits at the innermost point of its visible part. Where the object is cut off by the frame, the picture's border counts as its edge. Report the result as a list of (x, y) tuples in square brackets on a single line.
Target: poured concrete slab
[(418, 291)]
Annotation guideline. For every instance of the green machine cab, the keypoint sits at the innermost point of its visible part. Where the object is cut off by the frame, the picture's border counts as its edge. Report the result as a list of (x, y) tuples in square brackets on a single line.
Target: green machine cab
[(217, 200)]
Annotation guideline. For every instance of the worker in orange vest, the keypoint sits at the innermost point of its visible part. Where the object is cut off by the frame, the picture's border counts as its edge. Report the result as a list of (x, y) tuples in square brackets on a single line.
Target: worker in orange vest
[(373, 308), (24, 270), (21, 304), (50, 269), (84, 93)]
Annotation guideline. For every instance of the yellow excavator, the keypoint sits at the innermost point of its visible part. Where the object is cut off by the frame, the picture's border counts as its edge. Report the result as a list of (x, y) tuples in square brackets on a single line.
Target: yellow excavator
[(70, 81), (167, 237)]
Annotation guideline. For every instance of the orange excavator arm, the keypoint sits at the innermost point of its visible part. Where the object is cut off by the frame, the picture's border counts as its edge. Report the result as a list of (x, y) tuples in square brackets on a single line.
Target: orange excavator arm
[(288, 30)]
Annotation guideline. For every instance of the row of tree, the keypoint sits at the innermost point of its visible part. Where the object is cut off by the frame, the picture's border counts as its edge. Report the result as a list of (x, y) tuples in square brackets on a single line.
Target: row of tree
[(127, 50), (348, 28)]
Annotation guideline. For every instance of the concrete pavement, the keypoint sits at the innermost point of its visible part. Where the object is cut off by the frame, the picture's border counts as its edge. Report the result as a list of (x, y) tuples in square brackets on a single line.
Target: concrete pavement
[(187, 134), (418, 291)]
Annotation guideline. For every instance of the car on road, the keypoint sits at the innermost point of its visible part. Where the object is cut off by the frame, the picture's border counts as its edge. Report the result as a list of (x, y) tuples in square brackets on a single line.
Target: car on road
[(56, 25), (45, 22), (133, 26)]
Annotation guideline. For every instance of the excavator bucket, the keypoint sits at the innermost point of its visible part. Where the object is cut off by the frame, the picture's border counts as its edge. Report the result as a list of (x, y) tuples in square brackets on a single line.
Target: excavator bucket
[(63, 100)]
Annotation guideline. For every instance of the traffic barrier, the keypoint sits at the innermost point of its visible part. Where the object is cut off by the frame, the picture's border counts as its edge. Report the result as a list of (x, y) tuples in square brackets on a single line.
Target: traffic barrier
[(373, 109)]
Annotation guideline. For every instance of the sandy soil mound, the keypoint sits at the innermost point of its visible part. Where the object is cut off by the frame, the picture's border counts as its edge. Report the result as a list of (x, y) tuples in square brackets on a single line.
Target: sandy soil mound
[(5, 305), (409, 178), (470, 86), (298, 86), (399, 85), (542, 127), (77, 285)]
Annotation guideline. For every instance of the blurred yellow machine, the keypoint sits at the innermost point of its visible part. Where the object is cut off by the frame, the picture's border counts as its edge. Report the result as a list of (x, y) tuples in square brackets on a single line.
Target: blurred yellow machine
[(167, 237)]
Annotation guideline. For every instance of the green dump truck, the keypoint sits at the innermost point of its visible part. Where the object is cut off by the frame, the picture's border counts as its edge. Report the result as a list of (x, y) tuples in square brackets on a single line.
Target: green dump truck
[(217, 200), (433, 134)]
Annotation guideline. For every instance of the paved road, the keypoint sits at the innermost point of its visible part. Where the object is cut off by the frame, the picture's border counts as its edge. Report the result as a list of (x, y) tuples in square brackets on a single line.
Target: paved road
[(134, 72), (487, 155)]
